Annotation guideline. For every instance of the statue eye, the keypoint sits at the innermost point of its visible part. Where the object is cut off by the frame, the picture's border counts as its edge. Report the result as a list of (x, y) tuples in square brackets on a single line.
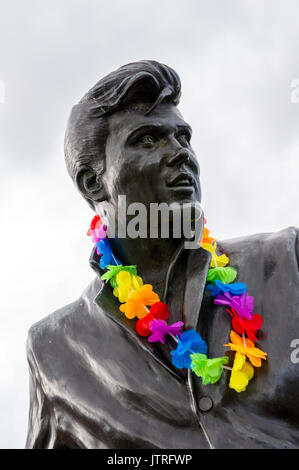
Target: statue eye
[(148, 140)]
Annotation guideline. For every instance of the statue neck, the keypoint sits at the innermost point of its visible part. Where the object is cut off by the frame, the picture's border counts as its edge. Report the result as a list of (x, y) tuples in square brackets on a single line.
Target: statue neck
[(153, 258)]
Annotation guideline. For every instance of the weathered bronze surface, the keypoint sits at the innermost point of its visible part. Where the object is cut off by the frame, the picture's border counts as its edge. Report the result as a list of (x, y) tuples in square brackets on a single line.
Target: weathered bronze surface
[(94, 383)]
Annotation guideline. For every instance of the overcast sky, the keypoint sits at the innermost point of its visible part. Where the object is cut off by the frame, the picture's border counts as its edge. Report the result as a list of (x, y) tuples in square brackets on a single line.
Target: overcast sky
[(236, 60)]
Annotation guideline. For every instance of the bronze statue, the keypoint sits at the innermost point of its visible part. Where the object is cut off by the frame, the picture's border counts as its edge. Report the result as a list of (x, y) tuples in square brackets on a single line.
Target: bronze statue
[(94, 383)]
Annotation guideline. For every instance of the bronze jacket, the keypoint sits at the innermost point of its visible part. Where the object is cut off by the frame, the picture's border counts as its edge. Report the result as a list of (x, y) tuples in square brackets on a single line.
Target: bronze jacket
[(94, 383)]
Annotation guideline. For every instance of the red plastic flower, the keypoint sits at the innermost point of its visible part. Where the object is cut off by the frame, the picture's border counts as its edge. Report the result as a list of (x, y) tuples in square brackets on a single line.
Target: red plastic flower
[(160, 311), (96, 221), (242, 325), (143, 325)]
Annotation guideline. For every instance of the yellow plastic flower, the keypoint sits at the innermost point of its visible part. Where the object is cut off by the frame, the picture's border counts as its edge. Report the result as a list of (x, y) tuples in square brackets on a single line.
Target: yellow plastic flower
[(137, 302), (216, 261), (246, 346), (125, 284), (219, 261), (241, 373)]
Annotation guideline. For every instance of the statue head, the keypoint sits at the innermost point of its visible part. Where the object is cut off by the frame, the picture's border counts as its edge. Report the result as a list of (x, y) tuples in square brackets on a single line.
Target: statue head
[(127, 137)]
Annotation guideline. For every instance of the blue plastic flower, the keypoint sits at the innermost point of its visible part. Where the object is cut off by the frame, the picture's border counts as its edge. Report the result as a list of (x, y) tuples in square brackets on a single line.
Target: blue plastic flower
[(236, 288), (189, 343), (107, 257)]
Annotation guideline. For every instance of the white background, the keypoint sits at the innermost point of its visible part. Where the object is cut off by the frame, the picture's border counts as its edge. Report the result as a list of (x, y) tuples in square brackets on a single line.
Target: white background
[(236, 60)]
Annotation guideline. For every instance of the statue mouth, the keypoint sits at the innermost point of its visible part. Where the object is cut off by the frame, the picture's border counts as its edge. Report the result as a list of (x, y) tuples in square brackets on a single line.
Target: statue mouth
[(183, 181)]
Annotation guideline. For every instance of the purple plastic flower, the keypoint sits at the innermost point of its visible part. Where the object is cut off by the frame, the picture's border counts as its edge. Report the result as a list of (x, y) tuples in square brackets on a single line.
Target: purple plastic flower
[(160, 329), (99, 233), (242, 304)]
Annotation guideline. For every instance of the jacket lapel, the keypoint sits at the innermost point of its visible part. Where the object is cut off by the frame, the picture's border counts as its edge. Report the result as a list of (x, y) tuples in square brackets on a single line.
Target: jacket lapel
[(110, 305), (196, 273)]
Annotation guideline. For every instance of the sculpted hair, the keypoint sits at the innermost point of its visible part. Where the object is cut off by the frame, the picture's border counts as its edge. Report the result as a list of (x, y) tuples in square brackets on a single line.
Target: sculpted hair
[(145, 81)]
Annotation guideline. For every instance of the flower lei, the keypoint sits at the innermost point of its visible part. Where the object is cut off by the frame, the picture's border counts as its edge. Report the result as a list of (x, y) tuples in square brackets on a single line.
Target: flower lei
[(139, 300)]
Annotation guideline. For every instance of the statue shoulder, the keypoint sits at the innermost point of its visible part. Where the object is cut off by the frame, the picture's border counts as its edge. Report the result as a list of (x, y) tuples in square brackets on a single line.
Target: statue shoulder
[(43, 331), (56, 327), (286, 240)]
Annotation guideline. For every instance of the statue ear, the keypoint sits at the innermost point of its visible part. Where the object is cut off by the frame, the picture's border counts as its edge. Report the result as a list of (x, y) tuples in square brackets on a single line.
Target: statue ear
[(90, 185)]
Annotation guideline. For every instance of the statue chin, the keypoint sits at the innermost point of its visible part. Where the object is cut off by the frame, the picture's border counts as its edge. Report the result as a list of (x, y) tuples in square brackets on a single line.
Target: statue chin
[(183, 221), (192, 223)]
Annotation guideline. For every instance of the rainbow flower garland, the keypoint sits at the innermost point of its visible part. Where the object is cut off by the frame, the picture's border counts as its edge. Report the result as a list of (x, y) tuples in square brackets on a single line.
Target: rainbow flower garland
[(139, 300)]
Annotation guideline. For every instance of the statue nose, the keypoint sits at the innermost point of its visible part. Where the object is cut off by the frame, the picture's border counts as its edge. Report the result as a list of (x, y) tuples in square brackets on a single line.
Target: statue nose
[(182, 156)]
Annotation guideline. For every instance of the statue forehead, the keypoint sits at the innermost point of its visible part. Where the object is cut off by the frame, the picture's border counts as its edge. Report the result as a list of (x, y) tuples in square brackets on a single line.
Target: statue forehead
[(134, 116)]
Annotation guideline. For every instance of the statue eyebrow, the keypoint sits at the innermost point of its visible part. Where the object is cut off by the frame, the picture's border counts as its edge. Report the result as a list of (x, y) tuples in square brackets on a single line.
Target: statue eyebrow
[(161, 130)]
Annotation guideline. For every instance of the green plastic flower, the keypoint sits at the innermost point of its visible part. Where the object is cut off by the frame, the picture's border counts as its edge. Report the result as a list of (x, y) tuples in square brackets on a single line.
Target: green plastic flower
[(225, 275), (209, 370), (112, 272)]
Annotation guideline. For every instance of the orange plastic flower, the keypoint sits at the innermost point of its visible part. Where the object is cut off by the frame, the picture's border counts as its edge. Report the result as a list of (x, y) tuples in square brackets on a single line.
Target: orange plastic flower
[(137, 302), (245, 346), (206, 236)]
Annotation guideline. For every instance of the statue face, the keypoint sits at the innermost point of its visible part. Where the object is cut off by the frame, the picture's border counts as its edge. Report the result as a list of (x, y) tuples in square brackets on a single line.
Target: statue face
[(149, 157)]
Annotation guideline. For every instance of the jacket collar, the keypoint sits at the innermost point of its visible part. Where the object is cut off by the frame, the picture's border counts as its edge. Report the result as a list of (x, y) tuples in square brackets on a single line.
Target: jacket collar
[(198, 262)]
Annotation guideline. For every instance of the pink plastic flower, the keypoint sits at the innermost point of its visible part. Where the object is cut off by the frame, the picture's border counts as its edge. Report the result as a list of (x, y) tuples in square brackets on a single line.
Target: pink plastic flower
[(160, 329), (242, 304)]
